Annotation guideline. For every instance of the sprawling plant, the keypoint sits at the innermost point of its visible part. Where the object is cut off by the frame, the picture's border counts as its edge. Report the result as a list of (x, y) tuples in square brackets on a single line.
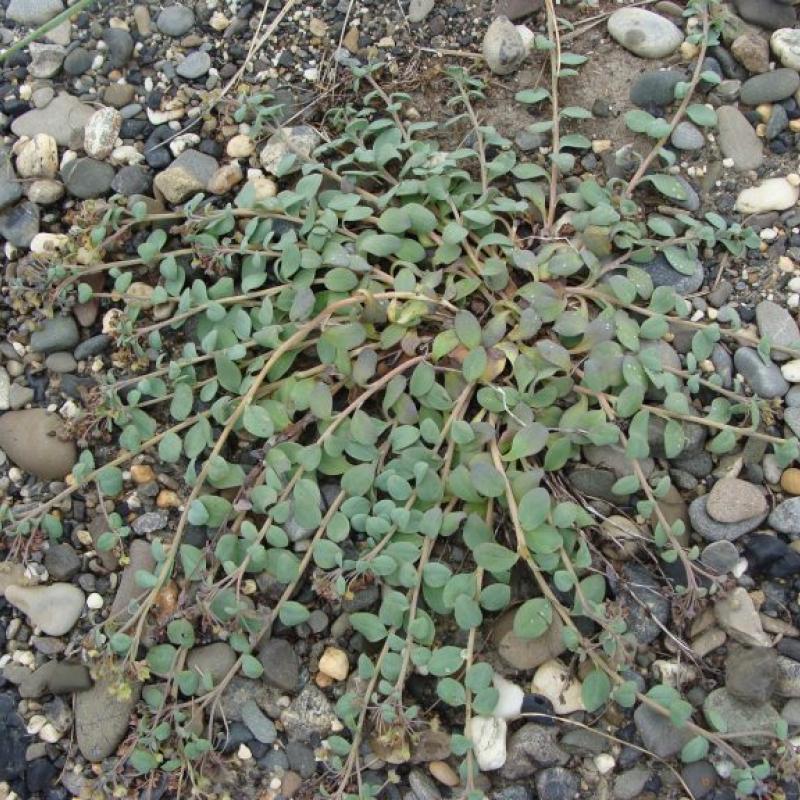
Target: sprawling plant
[(397, 358)]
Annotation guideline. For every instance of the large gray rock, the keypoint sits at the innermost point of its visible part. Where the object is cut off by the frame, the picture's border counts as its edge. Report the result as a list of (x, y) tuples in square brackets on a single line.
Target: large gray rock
[(770, 87), (140, 558), (54, 608), (778, 325), (64, 118), (764, 379), (33, 12), (769, 14), (20, 223), (644, 33), (741, 718), (785, 518), (751, 673), (714, 531), (37, 443), (659, 735), (656, 87), (738, 140), (57, 333), (102, 717)]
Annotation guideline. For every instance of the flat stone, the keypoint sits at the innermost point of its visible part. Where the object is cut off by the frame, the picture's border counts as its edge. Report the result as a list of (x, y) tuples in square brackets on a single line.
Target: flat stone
[(64, 118), (33, 12), (175, 20), (56, 677), (281, 665), (734, 500), (777, 324), (751, 673), (503, 47), (630, 784), (644, 33), (721, 556), (643, 594), (195, 65), (785, 517), (36, 442), (258, 723), (309, 714), (765, 380), (770, 87), (751, 51), (785, 43), (54, 609), (700, 777), (57, 333), (87, 178), (188, 174), (714, 531), (300, 139), (20, 223), (120, 46), (78, 61), (524, 654), (557, 783), (140, 558), (61, 561), (659, 735), (214, 660), (46, 59), (101, 132), (741, 717), (10, 187), (488, 736), (45, 192), (687, 136), (656, 87), (102, 717), (662, 274), (738, 617), (769, 14), (515, 10), (788, 677), (132, 180), (738, 140)]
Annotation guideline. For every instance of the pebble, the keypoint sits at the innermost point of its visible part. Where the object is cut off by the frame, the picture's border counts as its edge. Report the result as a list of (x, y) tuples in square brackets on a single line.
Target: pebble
[(630, 784), (523, 653), (102, 717), (785, 517), (773, 194), (444, 773), (791, 370), (751, 51), (790, 481), (54, 609), (57, 333), (700, 777), (777, 324), (658, 734), (120, 46), (140, 558), (553, 680), (751, 673), (309, 714), (503, 47), (769, 87), (45, 192), (61, 561), (132, 180), (643, 593), (214, 660), (769, 14), (33, 13), (225, 178), (687, 136), (56, 677), (422, 786), (10, 187), (741, 717), (531, 747), (64, 118), (557, 783), (644, 33), (78, 61), (195, 65), (785, 43), (662, 274), (764, 379), (418, 10), (281, 665), (738, 617), (732, 500), (38, 157), (87, 178), (738, 140), (188, 174), (19, 224), (101, 132), (240, 146), (656, 87), (175, 20), (788, 677), (334, 663), (46, 59), (488, 735), (260, 725), (35, 441), (720, 556), (301, 138)]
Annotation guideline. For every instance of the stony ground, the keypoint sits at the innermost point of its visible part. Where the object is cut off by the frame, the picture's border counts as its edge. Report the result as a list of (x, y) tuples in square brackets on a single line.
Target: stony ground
[(125, 99)]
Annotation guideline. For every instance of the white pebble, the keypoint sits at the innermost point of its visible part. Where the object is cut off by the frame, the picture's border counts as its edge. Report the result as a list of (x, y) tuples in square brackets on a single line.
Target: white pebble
[(604, 763), (49, 733), (94, 601), (36, 723), (244, 752)]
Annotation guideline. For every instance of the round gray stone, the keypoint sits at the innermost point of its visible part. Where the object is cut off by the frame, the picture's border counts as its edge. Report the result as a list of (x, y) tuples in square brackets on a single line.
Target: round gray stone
[(770, 87), (765, 380), (195, 65), (175, 20), (87, 178), (713, 531)]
